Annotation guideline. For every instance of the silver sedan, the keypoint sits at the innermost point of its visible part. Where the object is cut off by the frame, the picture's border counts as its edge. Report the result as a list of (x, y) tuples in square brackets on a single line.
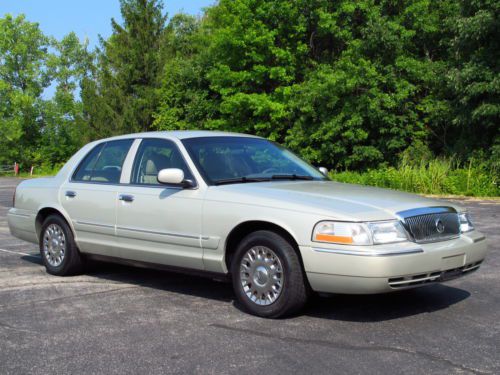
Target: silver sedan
[(242, 206)]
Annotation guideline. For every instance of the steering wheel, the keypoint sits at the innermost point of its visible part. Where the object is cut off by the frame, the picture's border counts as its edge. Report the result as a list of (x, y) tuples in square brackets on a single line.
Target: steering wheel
[(269, 170)]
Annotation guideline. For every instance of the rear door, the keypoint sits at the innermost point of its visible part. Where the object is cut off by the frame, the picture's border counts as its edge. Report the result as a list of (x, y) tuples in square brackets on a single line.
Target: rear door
[(90, 196)]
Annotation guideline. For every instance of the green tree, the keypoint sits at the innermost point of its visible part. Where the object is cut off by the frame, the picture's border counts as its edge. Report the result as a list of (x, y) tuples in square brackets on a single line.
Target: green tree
[(23, 78), (375, 85), (347, 84), (63, 121), (121, 94), (186, 100), (476, 79)]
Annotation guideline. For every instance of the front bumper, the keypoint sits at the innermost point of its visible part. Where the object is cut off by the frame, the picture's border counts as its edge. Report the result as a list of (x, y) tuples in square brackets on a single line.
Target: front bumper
[(386, 268)]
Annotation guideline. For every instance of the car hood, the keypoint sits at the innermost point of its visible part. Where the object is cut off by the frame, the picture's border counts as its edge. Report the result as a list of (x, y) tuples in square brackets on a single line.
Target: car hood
[(330, 199)]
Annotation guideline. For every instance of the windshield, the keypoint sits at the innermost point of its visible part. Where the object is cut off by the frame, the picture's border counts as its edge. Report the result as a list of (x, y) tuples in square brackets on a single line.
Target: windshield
[(243, 159)]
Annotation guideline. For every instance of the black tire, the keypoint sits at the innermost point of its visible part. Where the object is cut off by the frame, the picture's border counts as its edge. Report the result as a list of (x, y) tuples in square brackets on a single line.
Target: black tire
[(72, 262), (294, 290)]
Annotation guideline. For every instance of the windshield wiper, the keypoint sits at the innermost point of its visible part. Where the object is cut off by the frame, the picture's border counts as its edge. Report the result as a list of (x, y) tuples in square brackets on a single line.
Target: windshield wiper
[(238, 180), (290, 177)]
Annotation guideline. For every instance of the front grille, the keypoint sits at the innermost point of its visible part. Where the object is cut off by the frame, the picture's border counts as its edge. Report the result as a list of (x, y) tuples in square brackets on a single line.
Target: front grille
[(432, 224)]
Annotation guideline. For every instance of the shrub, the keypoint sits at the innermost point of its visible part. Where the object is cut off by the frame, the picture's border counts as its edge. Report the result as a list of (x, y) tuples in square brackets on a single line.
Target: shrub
[(436, 176)]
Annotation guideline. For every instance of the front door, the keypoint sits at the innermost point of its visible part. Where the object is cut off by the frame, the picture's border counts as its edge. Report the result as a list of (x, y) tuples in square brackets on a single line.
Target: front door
[(158, 223)]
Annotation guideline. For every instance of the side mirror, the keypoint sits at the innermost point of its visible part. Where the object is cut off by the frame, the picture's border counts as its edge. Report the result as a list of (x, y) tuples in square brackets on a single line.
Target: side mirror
[(323, 170), (173, 176)]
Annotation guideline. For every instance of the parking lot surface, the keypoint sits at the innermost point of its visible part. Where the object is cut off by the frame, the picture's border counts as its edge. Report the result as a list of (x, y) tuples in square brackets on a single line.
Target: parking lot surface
[(123, 320)]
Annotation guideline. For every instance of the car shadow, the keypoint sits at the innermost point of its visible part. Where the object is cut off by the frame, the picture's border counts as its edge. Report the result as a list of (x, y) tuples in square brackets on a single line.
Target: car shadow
[(176, 282), (33, 258), (383, 307), (352, 308)]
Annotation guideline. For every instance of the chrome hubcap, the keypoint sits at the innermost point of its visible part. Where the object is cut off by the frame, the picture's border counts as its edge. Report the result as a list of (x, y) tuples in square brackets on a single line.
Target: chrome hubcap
[(261, 275), (54, 245)]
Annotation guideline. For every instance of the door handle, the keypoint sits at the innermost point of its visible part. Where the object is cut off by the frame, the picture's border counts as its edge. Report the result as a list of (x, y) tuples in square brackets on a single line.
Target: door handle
[(126, 197), (70, 194)]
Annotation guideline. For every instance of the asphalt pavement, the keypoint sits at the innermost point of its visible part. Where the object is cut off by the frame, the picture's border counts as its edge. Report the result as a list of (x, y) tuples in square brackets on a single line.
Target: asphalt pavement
[(123, 320)]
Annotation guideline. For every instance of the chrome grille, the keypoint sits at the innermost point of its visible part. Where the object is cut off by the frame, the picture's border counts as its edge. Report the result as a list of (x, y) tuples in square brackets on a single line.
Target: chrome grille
[(431, 224)]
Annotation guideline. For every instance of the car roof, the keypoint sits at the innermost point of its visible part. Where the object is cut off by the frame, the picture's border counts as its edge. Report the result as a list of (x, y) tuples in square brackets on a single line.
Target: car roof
[(180, 134)]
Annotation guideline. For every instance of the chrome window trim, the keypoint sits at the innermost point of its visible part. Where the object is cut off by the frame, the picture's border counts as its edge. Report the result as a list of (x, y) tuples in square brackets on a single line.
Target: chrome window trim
[(163, 186), (370, 252), (128, 176)]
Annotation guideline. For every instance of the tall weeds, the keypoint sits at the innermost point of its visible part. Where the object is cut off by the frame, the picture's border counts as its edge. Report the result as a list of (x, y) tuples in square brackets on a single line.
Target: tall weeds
[(435, 176)]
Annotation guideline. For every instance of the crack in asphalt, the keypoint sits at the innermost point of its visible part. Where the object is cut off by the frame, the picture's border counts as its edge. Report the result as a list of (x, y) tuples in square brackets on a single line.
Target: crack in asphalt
[(34, 302), (51, 283), (347, 346), (4, 325)]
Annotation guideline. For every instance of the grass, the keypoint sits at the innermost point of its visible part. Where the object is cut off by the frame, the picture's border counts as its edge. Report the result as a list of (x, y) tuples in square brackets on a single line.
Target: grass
[(40, 171), (434, 177)]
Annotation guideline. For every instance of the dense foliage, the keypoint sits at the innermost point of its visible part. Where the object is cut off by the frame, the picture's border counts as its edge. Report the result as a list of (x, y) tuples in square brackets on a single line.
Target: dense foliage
[(438, 176), (347, 84)]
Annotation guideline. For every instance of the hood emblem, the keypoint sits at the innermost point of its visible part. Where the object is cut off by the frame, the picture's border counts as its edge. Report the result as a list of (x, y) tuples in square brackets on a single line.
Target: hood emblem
[(439, 226)]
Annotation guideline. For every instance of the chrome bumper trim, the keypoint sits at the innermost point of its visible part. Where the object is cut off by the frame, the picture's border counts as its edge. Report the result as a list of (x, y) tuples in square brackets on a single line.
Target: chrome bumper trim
[(472, 267), (370, 252), (429, 277), (415, 281)]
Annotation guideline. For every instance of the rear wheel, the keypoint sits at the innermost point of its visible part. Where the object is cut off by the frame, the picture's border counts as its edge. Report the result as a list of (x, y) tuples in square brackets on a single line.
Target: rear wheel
[(267, 275), (58, 249)]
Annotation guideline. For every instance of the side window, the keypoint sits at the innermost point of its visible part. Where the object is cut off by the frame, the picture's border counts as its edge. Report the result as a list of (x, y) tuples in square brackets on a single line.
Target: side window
[(153, 156), (106, 166), (84, 170)]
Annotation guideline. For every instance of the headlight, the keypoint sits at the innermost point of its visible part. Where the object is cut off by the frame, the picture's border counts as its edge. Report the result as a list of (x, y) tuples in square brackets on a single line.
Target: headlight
[(346, 233), (342, 232), (387, 232), (465, 222)]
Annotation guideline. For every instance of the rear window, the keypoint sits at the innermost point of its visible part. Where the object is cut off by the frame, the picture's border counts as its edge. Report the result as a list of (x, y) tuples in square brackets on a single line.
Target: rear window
[(104, 163)]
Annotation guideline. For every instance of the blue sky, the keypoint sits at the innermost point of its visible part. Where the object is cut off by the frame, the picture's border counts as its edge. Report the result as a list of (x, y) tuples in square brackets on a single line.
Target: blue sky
[(87, 18)]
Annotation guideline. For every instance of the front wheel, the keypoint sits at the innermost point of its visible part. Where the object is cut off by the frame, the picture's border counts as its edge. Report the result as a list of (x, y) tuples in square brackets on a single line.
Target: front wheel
[(267, 275)]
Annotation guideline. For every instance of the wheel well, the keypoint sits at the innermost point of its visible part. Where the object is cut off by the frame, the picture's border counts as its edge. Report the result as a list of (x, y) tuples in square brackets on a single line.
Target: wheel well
[(244, 229), (42, 215)]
